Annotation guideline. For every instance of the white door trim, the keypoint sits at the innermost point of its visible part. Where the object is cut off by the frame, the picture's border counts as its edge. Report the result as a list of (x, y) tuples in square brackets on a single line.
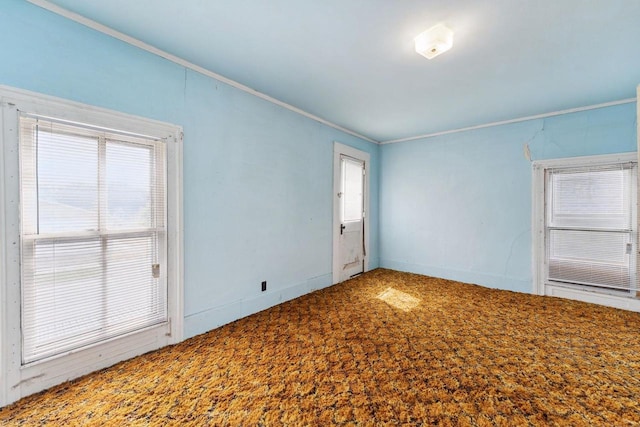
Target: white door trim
[(339, 149)]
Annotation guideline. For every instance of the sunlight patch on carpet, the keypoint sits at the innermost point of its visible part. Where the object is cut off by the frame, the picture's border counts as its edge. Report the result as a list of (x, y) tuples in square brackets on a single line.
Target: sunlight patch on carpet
[(399, 299)]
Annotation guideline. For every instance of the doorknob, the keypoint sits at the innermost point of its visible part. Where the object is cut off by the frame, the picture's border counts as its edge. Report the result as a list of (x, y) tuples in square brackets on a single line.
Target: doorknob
[(342, 227)]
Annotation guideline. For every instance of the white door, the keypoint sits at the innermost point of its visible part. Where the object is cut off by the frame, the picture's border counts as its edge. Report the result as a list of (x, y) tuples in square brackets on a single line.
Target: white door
[(350, 252)]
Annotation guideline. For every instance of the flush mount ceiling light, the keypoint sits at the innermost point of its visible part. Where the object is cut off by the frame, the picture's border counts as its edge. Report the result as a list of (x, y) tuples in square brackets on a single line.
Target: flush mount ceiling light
[(436, 40)]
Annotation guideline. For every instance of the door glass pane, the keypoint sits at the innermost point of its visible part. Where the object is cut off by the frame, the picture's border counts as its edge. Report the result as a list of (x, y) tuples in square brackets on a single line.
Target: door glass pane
[(352, 186)]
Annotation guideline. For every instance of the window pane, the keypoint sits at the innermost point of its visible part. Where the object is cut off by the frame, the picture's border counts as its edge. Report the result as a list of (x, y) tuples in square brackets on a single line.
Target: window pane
[(67, 182), (59, 296), (352, 186), (129, 189), (134, 295), (589, 257), (591, 198), (81, 292), (597, 246)]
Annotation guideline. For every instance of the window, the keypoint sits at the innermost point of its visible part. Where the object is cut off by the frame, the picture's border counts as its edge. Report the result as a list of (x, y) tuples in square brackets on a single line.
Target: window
[(589, 229), (92, 204), (588, 223), (93, 235), (588, 226)]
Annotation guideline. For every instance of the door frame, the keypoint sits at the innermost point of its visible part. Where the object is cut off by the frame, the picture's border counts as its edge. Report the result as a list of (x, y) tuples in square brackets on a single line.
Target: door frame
[(338, 150)]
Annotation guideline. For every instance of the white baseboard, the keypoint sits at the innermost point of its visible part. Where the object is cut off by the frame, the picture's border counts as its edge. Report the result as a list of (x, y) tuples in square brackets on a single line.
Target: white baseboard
[(484, 279)]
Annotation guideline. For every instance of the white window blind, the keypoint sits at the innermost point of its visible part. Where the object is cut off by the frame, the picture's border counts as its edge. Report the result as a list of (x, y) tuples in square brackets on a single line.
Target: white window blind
[(93, 235), (589, 227)]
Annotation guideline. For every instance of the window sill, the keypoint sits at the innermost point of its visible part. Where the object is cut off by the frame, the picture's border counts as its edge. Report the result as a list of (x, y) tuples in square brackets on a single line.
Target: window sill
[(616, 301)]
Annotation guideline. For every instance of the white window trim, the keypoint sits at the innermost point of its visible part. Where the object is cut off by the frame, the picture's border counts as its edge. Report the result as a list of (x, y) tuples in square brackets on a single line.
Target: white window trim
[(365, 157), (538, 227), (18, 380)]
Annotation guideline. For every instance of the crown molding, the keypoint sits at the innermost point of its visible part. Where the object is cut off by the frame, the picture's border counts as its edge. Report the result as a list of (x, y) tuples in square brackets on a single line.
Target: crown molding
[(45, 4), (506, 122)]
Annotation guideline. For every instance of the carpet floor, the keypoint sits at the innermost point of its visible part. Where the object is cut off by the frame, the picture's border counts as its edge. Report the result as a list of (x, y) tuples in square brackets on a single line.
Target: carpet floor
[(386, 348)]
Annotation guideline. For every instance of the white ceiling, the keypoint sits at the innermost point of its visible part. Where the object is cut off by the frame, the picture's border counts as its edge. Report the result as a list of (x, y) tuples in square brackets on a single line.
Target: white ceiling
[(352, 62)]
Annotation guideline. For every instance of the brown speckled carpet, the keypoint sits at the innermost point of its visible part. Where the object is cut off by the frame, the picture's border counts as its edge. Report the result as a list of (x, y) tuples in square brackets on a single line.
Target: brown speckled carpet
[(386, 348)]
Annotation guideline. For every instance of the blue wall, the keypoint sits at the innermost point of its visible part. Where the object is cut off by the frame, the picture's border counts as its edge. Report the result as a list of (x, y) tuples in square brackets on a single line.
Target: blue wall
[(458, 206), (257, 177)]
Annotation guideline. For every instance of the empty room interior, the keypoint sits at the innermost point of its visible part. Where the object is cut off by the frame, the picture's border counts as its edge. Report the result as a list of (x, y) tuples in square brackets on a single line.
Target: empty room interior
[(339, 212)]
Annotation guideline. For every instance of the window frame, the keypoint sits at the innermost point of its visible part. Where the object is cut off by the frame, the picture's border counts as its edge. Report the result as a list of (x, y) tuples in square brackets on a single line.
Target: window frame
[(21, 380), (539, 236)]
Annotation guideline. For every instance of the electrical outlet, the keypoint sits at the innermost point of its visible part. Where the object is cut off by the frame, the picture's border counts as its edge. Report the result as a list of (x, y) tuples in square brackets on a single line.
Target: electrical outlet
[(264, 285)]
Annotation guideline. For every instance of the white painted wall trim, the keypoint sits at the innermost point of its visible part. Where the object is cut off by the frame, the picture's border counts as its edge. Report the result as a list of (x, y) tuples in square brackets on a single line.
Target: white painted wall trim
[(47, 105), (45, 4), (538, 266), (19, 380), (520, 119), (537, 228), (594, 298), (597, 160), (339, 149)]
